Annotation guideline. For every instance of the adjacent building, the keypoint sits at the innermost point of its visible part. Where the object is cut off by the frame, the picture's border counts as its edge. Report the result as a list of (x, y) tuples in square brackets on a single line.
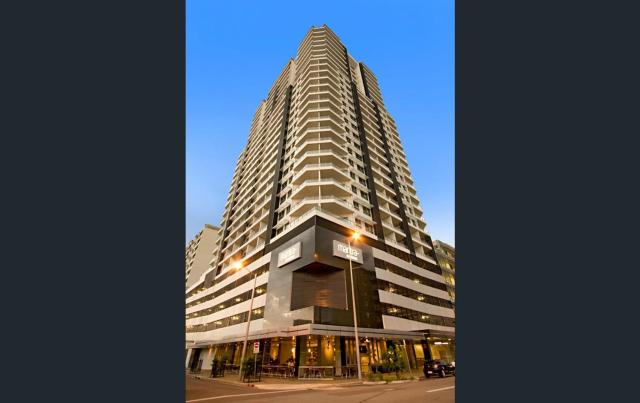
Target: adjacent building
[(446, 256), (198, 253), (323, 161)]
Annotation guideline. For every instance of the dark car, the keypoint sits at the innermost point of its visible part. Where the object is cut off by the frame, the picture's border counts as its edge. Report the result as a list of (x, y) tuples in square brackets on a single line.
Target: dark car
[(438, 367)]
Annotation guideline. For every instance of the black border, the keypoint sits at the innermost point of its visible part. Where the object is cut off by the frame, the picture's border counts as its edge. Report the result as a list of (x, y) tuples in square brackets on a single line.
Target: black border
[(94, 160), (545, 163)]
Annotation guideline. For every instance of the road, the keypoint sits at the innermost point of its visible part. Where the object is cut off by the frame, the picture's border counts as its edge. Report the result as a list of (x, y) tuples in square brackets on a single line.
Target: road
[(430, 390)]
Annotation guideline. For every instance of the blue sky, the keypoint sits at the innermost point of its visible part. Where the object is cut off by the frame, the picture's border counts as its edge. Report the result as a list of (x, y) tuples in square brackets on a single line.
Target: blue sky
[(235, 51)]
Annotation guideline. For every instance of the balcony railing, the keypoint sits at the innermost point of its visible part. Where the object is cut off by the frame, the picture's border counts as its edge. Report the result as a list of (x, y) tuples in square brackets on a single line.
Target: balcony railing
[(319, 211), (319, 182), (320, 199)]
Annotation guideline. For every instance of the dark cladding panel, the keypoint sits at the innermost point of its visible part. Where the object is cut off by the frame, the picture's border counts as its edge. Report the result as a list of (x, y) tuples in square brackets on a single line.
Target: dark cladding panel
[(364, 275), (278, 298), (318, 285), (317, 279)]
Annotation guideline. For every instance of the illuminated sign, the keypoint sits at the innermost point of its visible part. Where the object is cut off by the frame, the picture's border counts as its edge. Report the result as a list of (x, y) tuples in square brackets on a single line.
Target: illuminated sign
[(342, 250), (289, 255)]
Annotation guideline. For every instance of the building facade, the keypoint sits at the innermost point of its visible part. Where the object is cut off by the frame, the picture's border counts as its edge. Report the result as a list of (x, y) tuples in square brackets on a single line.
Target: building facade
[(446, 256), (198, 253), (323, 161)]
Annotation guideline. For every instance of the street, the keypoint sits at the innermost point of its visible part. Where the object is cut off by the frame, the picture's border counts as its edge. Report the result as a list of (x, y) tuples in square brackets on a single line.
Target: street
[(441, 390)]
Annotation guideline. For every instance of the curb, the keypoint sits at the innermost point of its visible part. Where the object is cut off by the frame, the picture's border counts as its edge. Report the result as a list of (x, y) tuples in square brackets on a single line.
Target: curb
[(301, 386), (374, 383), (206, 378)]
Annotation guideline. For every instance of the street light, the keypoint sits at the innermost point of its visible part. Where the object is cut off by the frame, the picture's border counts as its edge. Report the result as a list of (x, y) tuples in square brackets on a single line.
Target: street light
[(237, 266), (355, 236)]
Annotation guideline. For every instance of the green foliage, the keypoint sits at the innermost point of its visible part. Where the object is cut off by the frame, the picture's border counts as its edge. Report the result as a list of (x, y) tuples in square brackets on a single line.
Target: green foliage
[(248, 367), (394, 360), (374, 377), (217, 367)]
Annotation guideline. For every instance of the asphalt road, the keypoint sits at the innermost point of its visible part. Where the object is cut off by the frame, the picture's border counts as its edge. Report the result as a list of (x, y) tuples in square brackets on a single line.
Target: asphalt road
[(430, 390)]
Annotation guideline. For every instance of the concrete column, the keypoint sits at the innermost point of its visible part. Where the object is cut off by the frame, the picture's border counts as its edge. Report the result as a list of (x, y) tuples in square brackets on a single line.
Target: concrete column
[(186, 362), (337, 355)]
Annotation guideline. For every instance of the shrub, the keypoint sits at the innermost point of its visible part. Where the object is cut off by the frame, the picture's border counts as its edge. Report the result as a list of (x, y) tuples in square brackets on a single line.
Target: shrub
[(394, 360), (374, 377), (247, 367)]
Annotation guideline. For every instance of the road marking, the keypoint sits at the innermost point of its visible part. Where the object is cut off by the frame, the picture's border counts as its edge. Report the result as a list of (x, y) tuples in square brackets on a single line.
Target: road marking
[(243, 394), (437, 390)]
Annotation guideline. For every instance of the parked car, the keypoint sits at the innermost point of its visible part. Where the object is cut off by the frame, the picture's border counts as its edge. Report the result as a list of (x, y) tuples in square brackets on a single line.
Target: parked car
[(438, 367)]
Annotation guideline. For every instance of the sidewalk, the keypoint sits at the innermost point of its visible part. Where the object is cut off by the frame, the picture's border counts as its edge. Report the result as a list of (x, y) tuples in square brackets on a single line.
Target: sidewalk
[(272, 383)]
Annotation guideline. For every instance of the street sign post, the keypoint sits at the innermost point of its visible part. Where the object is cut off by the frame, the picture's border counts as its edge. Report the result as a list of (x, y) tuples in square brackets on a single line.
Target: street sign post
[(256, 350)]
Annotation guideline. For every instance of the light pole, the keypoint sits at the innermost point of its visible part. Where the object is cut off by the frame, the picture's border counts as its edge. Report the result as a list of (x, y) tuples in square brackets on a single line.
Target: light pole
[(355, 237), (238, 266)]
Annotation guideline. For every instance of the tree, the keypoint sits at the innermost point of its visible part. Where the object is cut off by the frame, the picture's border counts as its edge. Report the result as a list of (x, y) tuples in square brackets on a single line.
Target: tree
[(393, 360), (248, 367)]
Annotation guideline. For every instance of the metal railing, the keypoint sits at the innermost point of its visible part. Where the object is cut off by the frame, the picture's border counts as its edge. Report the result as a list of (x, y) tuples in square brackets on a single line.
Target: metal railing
[(315, 371)]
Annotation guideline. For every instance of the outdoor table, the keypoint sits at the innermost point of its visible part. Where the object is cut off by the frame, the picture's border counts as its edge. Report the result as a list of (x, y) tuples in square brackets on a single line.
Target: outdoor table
[(280, 370), (349, 370)]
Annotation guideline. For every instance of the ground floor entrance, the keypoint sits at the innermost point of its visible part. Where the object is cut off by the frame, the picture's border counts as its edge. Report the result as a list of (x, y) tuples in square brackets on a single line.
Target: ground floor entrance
[(319, 356)]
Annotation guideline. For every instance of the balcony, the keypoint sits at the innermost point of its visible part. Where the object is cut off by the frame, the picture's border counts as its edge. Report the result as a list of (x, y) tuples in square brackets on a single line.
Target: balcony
[(388, 198), (328, 186), (317, 105), (319, 96), (317, 73), (395, 244), (320, 157), (323, 122), (311, 171), (333, 204), (393, 228), (381, 174), (321, 114), (419, 242), (322, 133), (324, 142), (295, 221)]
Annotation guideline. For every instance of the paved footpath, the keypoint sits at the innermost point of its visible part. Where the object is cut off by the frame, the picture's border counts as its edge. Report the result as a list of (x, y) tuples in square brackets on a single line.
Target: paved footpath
[(216, 390)]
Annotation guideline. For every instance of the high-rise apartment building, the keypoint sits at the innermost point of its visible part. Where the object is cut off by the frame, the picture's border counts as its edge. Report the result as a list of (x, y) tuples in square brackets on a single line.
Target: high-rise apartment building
[(323, 161), (446, 256), (198, 253)]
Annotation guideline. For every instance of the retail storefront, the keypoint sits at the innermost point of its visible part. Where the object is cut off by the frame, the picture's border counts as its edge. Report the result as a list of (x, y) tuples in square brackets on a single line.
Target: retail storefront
[(307, 356), (440, 347)]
